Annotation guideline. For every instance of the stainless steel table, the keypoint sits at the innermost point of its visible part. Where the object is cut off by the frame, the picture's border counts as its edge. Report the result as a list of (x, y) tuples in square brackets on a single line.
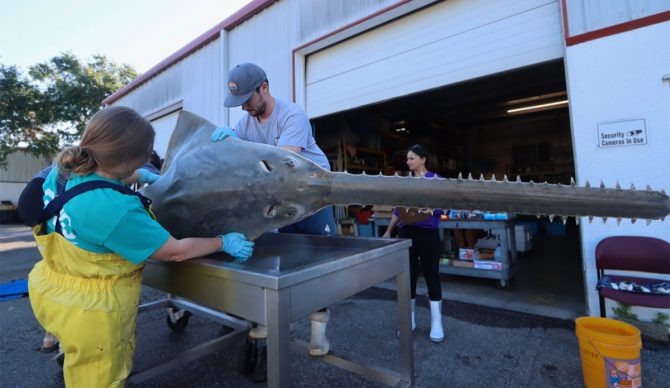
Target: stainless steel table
[(289, 277)]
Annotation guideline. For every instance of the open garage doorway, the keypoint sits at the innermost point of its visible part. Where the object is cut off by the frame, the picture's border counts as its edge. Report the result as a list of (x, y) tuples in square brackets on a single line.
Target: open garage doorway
[(512, 123)]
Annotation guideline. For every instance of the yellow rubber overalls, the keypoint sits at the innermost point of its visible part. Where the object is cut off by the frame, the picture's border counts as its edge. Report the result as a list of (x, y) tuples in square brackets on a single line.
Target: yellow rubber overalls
[(89, 302)]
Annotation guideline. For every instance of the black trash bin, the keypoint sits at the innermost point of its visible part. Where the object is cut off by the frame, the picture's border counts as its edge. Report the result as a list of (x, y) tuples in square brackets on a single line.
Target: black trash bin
[(8, 213)]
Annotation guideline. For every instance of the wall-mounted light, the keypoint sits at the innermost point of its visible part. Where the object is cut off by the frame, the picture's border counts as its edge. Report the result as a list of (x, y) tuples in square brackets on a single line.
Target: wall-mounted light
[(400, 127)]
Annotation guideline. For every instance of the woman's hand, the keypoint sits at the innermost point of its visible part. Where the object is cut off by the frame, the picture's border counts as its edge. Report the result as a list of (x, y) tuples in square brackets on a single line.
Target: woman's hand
[(141, 176)]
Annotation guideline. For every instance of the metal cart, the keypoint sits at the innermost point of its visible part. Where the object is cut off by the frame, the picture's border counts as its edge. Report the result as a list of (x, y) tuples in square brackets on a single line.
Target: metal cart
[(507, 244), (288, 277)]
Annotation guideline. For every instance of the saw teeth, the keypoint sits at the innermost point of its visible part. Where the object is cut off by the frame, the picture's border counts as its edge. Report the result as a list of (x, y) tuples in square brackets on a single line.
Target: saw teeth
[(633, 220), (565, 221), (617, 186), (493, 178), (505, 178), (518, 178), (602, 184), (576, 220), (572, 181), (469, 176), (587, 185), (590, 219), (632, 187), (648, 188), (604, 220), (618, 221), (481, 177), (648, 222), (551, 218), (460, 176)]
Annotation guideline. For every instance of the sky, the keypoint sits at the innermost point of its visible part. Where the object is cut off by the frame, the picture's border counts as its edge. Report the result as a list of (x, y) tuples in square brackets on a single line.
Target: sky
[(140, 33)]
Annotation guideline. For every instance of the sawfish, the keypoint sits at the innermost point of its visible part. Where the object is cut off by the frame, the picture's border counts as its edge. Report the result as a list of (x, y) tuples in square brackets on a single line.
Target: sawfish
[(208, 188)]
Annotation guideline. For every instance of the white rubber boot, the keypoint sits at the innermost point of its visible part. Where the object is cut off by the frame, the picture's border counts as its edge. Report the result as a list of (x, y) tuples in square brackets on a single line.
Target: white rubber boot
[(436, 330), (259, 332), (318, 344), (413, 304)]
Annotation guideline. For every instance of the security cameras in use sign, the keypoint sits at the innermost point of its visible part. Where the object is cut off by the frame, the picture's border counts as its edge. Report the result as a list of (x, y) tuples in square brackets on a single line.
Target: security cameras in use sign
[(622, 133)]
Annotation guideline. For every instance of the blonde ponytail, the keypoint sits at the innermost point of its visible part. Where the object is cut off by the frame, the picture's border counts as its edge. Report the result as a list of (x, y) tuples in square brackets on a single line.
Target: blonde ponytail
[(115, 136), (76, 159)]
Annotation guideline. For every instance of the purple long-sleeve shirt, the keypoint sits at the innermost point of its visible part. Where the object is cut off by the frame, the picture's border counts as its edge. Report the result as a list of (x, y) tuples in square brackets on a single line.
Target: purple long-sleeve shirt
[(434, 220)]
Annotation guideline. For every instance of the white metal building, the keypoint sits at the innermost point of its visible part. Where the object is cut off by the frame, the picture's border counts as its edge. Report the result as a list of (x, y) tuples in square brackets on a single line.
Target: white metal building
[(21, 167), (611, 58)]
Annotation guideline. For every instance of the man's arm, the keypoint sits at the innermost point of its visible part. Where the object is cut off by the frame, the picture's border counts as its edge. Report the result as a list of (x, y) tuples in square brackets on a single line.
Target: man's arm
[(297, 150), (295, 132)]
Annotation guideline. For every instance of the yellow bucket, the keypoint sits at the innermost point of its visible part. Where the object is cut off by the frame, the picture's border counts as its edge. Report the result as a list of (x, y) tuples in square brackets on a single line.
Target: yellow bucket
[(610, 353)]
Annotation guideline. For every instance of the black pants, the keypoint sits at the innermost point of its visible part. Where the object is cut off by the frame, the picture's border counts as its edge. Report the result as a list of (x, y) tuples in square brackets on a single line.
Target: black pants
[(425, 255)]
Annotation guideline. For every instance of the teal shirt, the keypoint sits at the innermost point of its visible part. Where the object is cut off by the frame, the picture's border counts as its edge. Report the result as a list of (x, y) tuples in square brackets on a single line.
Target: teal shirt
[(106, 221)]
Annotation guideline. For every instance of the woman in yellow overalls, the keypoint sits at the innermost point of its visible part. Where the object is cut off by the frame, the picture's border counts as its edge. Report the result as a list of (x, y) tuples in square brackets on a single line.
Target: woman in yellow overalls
[(86, 289)]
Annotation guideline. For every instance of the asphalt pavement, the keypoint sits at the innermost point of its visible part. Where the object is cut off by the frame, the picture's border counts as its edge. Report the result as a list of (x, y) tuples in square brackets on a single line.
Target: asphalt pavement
[(484, 346)]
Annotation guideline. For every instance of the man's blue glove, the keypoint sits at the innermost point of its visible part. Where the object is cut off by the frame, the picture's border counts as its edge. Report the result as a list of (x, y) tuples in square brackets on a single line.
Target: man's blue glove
[(146, 176), (237, 245), (222, 133)]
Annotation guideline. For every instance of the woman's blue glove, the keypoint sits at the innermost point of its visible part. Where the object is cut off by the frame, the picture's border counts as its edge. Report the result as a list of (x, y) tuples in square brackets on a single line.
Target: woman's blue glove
[(237, 245), (222, 133), (146, 176)]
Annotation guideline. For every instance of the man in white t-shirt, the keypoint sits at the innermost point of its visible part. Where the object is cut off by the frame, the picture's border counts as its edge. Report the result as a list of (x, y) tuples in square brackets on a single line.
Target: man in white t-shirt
[(281, 123)]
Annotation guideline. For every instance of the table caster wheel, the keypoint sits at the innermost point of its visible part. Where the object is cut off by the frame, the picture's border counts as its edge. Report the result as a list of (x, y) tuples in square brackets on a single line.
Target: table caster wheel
[(177, 320)]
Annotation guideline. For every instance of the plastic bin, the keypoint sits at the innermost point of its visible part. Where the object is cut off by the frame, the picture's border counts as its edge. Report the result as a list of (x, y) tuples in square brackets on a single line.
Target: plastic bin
[(365, 230)]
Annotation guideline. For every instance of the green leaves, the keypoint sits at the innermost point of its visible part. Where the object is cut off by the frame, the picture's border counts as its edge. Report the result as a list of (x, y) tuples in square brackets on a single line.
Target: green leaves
[(50, 107)]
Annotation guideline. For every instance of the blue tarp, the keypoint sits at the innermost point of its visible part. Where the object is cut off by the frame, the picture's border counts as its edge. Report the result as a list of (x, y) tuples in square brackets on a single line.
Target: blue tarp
[(14, 289)]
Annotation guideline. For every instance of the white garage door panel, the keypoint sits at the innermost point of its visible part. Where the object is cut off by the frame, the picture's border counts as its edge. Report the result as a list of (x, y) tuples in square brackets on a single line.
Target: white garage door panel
[(164, 127), (447, 43)]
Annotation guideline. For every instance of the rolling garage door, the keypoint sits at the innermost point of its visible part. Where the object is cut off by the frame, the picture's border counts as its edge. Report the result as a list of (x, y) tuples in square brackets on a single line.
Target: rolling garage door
[(164, 126), (451, 41)]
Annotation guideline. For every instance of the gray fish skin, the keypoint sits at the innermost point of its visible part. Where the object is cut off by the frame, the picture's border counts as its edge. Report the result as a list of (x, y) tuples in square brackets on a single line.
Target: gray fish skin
[(208, 188)]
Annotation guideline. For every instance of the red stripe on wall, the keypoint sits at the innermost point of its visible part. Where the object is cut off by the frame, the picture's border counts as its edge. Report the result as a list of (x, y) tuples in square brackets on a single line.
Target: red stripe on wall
[(616, 29), (234, 20)]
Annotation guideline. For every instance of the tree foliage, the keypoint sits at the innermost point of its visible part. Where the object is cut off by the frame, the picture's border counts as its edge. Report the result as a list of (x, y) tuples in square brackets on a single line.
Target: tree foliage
[(49, 107)]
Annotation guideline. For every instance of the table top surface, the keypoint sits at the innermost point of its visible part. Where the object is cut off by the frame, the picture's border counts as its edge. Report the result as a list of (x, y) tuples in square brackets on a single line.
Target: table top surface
[(291, 258)]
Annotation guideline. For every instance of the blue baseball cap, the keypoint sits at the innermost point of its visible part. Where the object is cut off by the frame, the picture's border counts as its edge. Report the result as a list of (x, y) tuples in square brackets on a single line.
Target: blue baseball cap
[(242, 82)]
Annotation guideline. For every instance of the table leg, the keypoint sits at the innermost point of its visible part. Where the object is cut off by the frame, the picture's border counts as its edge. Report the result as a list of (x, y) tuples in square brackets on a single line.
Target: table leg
[(405, 326), (277, 322)]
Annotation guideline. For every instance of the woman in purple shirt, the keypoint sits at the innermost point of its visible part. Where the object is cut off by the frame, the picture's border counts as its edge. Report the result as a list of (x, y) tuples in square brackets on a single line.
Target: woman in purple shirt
[(425, 250)]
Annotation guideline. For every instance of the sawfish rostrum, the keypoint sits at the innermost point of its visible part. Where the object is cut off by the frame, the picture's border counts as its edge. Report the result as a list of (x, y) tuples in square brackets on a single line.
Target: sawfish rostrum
[(211, 188)]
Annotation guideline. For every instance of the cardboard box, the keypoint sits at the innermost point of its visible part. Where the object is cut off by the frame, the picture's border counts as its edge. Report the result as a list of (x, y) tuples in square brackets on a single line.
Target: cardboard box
[(382, 211), (488, 264), (466, 254), (485, 249), (463, 264), (409, 216)]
